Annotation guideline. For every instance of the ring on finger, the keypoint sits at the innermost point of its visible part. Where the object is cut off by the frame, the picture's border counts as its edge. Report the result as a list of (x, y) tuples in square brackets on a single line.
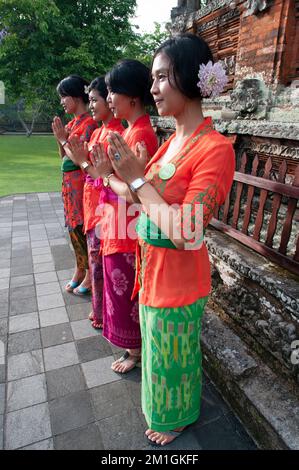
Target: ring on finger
[(117, 156)]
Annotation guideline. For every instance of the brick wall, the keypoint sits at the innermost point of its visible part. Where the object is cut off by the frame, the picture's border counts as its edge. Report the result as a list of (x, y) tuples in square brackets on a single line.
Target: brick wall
[(262, 45), (266, 47)]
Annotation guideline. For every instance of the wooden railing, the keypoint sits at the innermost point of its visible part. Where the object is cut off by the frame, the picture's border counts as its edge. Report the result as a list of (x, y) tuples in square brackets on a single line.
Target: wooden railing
[(260, 212), (271, 197)]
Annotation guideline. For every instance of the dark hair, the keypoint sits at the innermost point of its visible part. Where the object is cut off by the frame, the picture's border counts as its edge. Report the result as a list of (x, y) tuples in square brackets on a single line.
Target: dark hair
[(99, 84), (73, 86), (132, 78), (186, 53)]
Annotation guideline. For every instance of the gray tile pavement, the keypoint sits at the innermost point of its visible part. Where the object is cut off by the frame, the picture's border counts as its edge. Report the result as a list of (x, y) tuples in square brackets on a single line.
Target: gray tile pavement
[(57, 390)]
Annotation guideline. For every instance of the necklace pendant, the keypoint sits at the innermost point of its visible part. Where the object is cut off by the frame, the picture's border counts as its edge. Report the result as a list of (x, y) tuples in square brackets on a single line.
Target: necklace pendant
[(167, 171)]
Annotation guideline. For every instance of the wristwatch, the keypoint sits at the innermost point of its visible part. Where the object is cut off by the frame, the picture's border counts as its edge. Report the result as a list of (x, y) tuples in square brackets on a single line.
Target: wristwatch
[(63, 143), (137, 184), (84, 165), (106, 179)]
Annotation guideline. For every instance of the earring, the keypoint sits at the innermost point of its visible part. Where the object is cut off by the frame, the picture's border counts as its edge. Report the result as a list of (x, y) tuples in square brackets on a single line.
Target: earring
[(133, 103)]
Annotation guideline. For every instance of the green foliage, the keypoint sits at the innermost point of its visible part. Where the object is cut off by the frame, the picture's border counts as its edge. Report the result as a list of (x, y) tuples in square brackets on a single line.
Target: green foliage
[(144, 45), (46, 41)]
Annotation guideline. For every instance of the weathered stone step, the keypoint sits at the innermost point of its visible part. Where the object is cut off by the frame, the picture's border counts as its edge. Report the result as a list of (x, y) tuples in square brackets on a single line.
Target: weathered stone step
[(263, 402)]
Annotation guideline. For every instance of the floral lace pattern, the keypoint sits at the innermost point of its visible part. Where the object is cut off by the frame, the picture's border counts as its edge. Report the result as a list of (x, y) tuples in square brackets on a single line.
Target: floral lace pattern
[(120, 281), (130, 259)]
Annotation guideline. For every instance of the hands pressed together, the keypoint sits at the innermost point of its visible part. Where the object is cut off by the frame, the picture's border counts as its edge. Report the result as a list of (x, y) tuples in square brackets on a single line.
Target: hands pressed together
[(127, 164), (120, 158), (59, 130)]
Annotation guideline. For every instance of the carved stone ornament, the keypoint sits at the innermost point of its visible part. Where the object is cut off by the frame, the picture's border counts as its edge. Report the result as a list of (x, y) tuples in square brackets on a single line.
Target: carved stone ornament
[(249, 99), (255, 6), (188, 11)]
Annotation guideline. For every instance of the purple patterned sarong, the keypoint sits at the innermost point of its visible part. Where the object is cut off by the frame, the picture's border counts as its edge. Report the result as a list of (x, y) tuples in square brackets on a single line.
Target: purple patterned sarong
[(120, 313), (96, 274)]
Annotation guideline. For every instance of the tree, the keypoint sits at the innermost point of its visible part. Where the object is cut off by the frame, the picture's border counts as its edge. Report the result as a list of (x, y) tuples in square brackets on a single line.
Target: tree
[(143, 46), (41, 42)]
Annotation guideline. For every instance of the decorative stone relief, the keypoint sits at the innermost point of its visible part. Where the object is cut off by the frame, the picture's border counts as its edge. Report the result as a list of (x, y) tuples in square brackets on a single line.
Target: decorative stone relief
[(275, 130), (255, 6), (273, 149), (183, 18), (249, 99), (218, 21), (229, 64)]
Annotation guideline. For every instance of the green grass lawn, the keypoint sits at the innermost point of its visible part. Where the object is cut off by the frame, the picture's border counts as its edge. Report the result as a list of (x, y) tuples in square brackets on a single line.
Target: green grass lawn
[(29, 165)]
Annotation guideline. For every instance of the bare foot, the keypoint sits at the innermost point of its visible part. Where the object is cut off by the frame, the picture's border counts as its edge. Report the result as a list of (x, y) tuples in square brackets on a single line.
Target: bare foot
[(163, 438), (91, 316), (127, 362), (97, 325)]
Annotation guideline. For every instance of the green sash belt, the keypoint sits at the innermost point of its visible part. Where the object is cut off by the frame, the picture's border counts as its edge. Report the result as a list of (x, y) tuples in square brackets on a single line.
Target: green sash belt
[(67, 165), (151, 234)]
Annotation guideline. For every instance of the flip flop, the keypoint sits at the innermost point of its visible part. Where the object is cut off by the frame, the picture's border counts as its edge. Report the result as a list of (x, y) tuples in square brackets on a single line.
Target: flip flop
[(81, 290), (127, 355), (72, 285)]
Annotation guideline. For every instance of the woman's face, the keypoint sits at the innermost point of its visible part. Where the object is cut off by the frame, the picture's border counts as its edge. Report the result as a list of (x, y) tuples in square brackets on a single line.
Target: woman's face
[(98, 106), (119, 104), (169, 100), (69, 104)]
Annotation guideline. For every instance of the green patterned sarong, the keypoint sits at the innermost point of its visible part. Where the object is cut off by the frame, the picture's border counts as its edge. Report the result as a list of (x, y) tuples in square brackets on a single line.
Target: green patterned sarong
[(171, 364)]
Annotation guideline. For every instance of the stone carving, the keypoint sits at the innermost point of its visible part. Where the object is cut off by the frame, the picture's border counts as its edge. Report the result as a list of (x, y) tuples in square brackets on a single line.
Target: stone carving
[(276, 130), (183, 18), (229, 64), (255, 6), (219, 21), (210, 6), (270, 148), (249, 99)]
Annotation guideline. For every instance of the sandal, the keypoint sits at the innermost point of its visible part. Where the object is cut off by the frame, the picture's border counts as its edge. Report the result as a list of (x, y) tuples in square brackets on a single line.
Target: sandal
[(71, 285), (134, 361), (81, 291)]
